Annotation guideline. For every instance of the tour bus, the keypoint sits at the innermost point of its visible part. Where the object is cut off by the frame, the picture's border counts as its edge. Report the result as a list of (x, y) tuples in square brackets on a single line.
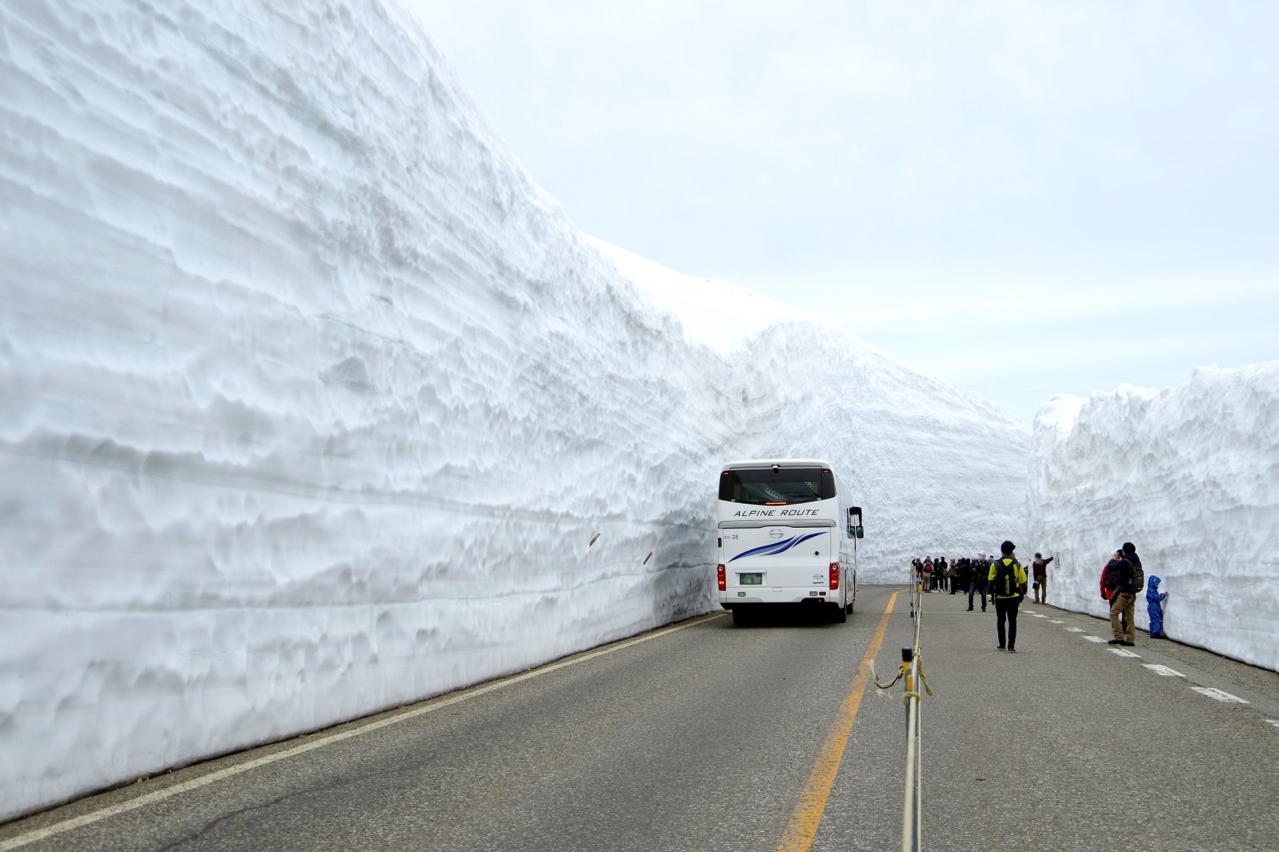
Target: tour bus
[(786, 535)]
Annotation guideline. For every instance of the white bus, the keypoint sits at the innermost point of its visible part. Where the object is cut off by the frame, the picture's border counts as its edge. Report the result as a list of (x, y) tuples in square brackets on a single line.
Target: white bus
[(786, 535)]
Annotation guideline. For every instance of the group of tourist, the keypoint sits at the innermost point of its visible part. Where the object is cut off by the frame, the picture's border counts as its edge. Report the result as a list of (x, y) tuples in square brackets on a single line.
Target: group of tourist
[(970, 575), (1006, 582), (1001, 578)]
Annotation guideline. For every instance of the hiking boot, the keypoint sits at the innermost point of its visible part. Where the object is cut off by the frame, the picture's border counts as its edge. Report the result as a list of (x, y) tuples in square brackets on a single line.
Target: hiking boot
[(1128, 644), (1012, 650), (1115, 642), (1000, 647), (970, 609)]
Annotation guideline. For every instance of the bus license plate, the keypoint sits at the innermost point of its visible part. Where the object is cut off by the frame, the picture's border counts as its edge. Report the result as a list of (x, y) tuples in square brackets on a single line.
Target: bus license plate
[(751, 579)]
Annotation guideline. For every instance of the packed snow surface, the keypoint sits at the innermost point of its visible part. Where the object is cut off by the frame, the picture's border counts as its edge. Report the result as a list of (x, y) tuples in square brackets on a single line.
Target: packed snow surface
[(314, 402), (1190, 476)]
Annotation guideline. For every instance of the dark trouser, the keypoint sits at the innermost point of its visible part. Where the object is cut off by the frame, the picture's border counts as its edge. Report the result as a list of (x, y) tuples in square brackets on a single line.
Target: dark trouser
[(972, 590), (1007, 608)]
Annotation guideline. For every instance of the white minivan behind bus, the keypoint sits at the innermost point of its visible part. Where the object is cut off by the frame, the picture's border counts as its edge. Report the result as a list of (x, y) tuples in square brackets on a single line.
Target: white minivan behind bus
[(786, 535)]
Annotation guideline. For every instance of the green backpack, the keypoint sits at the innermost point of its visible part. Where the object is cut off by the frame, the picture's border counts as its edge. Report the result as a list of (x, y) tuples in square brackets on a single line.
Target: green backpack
[(1138, 577)]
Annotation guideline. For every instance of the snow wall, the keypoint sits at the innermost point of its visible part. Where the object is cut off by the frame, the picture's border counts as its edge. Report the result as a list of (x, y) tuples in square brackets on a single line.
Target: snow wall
[(1190, 475), (313, 401)]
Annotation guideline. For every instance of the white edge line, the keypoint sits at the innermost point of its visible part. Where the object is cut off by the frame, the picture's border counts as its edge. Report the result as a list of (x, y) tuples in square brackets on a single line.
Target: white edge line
[(1219, 695), (204, 780)]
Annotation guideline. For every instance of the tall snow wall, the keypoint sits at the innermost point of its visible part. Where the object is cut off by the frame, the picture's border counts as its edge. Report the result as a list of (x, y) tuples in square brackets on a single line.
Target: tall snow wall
[(1190, 475), (314, 402)]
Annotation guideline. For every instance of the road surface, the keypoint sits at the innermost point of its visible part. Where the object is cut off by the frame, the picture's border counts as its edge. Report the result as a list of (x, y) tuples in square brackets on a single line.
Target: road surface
[(707, 736)]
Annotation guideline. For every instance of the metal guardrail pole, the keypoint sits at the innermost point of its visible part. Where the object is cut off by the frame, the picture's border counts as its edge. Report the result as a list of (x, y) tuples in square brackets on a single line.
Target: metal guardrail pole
[(912, 794)]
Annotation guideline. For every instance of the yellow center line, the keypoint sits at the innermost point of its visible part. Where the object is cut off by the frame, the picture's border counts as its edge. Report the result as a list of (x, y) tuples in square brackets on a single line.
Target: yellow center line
[(812, 802)]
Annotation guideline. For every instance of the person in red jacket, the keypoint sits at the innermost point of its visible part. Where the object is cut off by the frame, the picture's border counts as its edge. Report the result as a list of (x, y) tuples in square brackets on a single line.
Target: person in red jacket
[(1105, 593)]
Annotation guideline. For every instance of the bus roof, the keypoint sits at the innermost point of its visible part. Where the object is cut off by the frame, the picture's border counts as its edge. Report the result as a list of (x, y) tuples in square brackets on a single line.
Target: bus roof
[(758, 463)]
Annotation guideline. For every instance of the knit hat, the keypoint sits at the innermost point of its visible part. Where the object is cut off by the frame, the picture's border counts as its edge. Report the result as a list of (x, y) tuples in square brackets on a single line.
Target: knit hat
[(1007, 548), (1128, 548)]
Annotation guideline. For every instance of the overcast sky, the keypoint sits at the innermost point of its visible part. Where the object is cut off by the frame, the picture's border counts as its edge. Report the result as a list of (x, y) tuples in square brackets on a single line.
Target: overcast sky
[(1026, 198)]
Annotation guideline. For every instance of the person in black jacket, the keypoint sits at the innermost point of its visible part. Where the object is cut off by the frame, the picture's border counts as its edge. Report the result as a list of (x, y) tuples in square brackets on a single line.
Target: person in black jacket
[(1119, 580), (959, 582)]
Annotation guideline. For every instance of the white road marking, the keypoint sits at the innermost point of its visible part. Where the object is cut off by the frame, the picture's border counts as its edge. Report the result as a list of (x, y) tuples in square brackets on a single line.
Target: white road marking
[(319, 742), (1274, 722), (1037, 615), (1074, 630), (1055, 621), (1124, 652), (1092, 638), (1218, 695), (1162, 671)]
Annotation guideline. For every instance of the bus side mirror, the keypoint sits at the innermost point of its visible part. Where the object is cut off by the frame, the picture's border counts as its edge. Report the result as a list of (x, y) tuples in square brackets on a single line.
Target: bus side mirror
[(859, 532), (855, 522)]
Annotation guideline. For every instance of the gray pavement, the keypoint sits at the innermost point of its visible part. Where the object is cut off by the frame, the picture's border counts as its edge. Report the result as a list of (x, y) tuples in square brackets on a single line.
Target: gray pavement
[(704, 739)]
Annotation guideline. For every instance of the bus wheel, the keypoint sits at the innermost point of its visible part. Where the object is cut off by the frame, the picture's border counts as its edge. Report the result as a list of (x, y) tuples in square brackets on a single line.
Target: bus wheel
[(838, 614)]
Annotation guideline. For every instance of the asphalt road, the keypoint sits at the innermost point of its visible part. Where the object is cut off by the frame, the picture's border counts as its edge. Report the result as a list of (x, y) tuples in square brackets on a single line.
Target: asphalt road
[(710, 736)]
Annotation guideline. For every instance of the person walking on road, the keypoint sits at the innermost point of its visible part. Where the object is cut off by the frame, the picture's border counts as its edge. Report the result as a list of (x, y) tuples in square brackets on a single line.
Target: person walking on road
[(1118, 580), (978, 582), (1008, 586), (1040, 570)]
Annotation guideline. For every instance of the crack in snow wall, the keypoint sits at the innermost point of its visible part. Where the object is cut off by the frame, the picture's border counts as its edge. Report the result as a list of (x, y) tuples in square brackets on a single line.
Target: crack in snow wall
[(313, 400), (1188, 474)]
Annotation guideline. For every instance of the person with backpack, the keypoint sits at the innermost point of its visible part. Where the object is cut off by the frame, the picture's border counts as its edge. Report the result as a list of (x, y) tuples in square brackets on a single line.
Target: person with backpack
[(1138, 575), (928, 574), (943, 573), (1118, 581), (1008, 586)]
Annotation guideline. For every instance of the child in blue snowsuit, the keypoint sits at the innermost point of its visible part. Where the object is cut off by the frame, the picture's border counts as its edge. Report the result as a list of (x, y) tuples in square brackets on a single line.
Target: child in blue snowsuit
[(1155, 607)]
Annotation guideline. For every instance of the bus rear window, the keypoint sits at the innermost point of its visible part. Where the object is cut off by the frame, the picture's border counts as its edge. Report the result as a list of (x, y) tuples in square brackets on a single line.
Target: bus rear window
[(776, 486)]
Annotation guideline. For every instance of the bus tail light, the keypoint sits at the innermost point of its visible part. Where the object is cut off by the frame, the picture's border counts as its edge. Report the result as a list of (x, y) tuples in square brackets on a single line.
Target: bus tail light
[(834, 575), (721, 576)]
